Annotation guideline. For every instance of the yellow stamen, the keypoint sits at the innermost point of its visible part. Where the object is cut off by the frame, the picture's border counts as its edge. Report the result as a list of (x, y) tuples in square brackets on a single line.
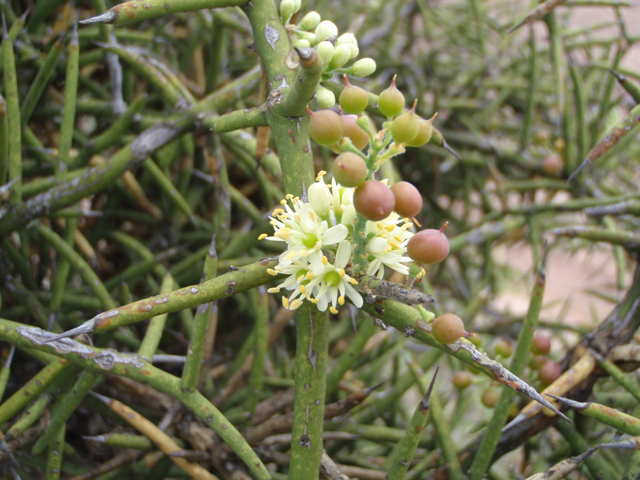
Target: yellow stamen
[(341, 300), (390, 228), (283, 233), (380, 226), (282, 217), (262, 236), (295, 304), (309, 275), (297, 217), (398, 238), (295, 199), (394, 244), (341, 272), (278, 268), (288, 196), (285, 302), (274, 223), (321, 174), (283, 202), (353, 281), (333, 310), (325, 260), (303, 289), (314, 300), (278, 211), (273, 290), (312, 215), (271, 271)]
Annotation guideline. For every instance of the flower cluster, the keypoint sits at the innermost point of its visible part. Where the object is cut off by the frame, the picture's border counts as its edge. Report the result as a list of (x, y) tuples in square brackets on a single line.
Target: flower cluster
[(318, 234)]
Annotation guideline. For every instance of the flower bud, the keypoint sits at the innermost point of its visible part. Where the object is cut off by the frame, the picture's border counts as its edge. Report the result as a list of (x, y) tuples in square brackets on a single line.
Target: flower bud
[(301, 43), (309, 22), (297, 4), (319, 198), (349, 40), (287, 9), (325, 30), (325, 98), (309, 37), (363, 67), (341, 55), (325, 50)]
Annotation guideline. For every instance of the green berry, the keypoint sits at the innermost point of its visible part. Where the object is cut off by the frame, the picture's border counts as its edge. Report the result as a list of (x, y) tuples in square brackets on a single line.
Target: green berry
[(373, 200), (428, 246), (408, 199), (425, 130), (391, 101), (325, 127), (461, 380), (447, 328), (504, 348), (490, 398), (353, 99), (350, 170), (405, 127)]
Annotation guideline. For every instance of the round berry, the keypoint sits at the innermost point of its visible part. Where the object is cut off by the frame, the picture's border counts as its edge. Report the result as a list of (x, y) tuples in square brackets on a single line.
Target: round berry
[(373, 200), (325, 127), (428, 246), (504, 348), (405, 127), (447, 328), (391, 101), (549, 372), (353, 99), (461, 380), (350, 170), (541, 344), (408, 199), (490, 398), (425, 130), (552, 164), (357, 135)]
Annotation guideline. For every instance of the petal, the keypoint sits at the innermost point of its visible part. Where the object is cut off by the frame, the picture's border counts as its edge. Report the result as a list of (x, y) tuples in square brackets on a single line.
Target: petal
[(355, 297), (335, 234), (322, 304), (343, 254), (377, 245)]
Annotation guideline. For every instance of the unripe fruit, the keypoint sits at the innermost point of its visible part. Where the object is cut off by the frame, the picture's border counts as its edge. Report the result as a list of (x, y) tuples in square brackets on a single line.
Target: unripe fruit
[(504, 348), (350, 170), (405, 127), (325, 127), (428, 246), (490, 398), (408, 199), (373, 200), (447, 328), (535, 362), (391, 101), (353, 131), (425, 130), (353, 99), (549, 372), (540, 344), (552, 164), (461, 380)]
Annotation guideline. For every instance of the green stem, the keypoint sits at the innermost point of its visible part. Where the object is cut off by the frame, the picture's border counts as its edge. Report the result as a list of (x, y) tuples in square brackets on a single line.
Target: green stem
[(13, 121), (153, 335), (69, 107), (54, 456), (260, 300), (443, 432)]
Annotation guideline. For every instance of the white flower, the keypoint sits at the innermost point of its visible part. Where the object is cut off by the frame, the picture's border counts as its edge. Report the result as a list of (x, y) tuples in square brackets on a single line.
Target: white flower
[(388, 245), (319, 198), (331, 283)]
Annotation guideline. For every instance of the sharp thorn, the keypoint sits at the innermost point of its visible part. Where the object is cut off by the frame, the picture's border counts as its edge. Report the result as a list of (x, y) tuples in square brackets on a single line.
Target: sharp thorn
[(106, 17), (582, 166), (102, 398), (571, 403), (84, 328)]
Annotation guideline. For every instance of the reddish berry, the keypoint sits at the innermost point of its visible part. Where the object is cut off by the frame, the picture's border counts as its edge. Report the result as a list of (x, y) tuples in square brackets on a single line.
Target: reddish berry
[(325, 127), (447, 328), (350, 170), (373, 200), (408, 199), (541, 344), (357, 135), (490, 398), (549, 372), (552, 164), (428, 246), (461, 380)]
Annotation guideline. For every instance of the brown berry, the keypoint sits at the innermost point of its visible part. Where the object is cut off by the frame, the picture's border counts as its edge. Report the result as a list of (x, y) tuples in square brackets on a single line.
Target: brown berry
[(541, 344), (552, 164), (461, 380), (428, 246), (490, 398), (350, 170), (549, 372), (447, 328), (408, 199), (352, 130), (374, 200), (325, 127)]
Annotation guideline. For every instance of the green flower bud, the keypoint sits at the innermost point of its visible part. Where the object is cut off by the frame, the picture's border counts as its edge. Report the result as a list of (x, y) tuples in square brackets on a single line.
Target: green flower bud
[(325, 30), (349, 40), (287, 9), (325, 98), (308, 36), (363, 67), (301, 43), (391, 101), (341, 55), (325, 51), (319, 198), (297, 5), (310, 21)]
